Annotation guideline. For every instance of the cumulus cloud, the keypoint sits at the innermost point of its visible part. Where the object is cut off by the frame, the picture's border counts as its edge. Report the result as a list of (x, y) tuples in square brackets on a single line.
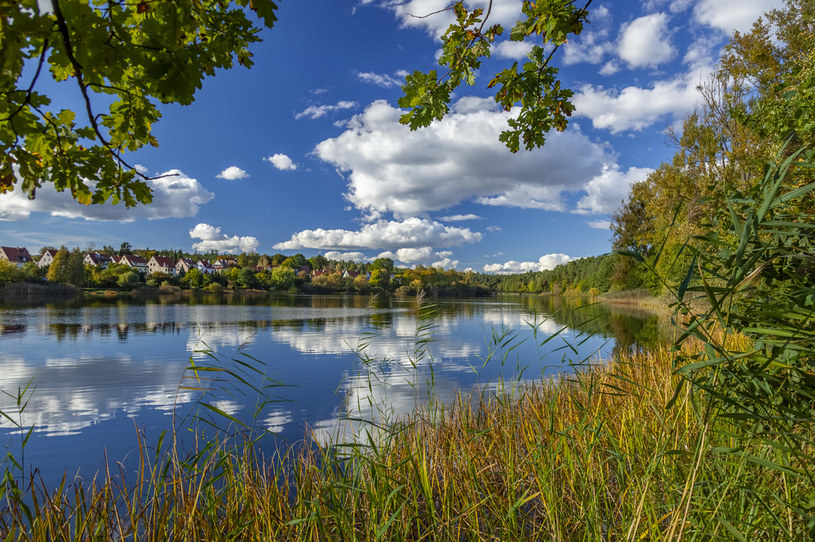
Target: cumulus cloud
[(609, 68), (645, 42), (459, 218), (212, 239), (232, 173), (422, 255), (413, 13), (730, 15), (281, 162), (382, 79), (391, 169), (346, 256), (600, 224), (410, 233), (548, 261), (591, 48), (606, 191), (636, 108), (593, 44), (174, 196), (515, 50), (318, 111)]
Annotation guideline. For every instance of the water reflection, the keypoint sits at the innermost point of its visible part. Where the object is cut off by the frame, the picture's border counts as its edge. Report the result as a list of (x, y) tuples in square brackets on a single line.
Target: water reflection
[(98, 366)]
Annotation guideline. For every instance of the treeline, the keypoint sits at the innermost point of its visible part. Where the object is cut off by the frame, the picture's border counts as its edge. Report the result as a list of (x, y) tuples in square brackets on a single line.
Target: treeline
[(758, 106), (586, 276)]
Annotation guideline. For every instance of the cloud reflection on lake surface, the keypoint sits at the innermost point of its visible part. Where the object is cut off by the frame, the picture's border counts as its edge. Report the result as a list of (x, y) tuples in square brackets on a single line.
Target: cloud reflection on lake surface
[(103, 369)]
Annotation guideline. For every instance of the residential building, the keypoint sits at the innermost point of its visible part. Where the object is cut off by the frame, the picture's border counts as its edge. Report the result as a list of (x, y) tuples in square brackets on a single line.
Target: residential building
[(160, 264), (205, 267), (183, 265), (136, 262), (47, 258), (16, 255), (97, 259)]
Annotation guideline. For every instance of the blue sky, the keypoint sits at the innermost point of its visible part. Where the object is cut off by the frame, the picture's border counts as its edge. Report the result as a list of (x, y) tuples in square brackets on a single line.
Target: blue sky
[(304, 152)]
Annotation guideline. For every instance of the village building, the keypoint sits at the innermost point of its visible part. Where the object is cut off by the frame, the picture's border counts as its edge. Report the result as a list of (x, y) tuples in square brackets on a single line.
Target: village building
[(205, 267), (161, 264), (136, 262), (47, 258), (224, 263), (16, 255), (97, 259), (183, 265)]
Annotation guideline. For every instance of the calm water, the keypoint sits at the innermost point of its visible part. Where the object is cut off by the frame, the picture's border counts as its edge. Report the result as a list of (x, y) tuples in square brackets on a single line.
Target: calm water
[(105, 369)]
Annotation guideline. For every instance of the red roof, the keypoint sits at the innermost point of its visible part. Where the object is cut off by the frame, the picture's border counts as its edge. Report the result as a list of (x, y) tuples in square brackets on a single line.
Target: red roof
[(16, 254), (164, 262)]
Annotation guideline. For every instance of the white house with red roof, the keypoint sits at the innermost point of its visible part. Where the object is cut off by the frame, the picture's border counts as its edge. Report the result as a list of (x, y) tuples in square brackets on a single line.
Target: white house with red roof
[(160, 264), (97, 259), (47, 258), (136, 262), (16, 255)]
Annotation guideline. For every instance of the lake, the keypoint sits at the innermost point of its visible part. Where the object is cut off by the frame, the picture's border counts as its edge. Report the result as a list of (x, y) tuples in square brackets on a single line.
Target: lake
[(302, 367)]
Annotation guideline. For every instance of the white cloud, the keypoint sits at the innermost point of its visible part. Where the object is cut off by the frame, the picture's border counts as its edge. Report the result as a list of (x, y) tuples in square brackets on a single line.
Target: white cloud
[(414, 13), (592, 45), (645, 42), (317, 111), (459, 218), (606, 191), (609, 68), (548, 261), (599, 224), (730, 15), (174, 196), (515, 50), (422, 255), (346, 256), (410, 233), (382, 79), (232, 173), (281, 162), (212, 239), (392, 169), (636, 108)]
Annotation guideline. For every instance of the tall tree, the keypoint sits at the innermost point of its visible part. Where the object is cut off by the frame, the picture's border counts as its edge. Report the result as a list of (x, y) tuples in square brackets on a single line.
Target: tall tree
[(67, 267), (121, 59)]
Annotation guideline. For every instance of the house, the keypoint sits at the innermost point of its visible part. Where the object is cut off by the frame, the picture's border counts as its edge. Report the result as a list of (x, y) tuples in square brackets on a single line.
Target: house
[(224, 263), (160, 264), (183, 265), (350, 274), (16, 255), (205, 267), (97, 259), (47, 258), (136, 262)]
